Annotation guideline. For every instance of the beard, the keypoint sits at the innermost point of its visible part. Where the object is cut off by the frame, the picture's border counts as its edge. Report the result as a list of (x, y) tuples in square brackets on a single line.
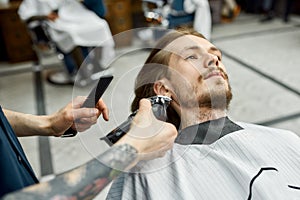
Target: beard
[(216, 96), (216, 99)]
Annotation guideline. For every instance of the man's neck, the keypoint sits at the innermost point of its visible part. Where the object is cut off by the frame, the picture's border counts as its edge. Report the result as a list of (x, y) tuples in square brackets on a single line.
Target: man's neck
[(192, 116)]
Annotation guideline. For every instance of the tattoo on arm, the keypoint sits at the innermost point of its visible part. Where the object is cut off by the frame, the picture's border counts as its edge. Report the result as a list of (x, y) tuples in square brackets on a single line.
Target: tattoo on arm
[(84, 182)]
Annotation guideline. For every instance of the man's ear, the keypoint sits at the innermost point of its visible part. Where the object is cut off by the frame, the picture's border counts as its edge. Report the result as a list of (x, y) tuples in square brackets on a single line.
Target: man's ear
[(162, 87)]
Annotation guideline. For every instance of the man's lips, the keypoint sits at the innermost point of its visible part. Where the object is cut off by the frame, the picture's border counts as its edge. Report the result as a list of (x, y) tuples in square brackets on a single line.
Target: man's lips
[(214, 73)]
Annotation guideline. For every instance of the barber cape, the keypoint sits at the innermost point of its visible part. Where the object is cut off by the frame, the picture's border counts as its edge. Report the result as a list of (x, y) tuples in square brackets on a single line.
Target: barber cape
[(75, 26), (240, 161)]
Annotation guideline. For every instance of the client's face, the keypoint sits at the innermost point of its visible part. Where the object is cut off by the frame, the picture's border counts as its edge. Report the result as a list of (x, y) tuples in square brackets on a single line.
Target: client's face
[(197, 74)]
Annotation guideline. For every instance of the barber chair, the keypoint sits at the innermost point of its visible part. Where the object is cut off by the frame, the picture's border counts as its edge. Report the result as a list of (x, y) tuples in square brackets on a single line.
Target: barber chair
[(46, 48)]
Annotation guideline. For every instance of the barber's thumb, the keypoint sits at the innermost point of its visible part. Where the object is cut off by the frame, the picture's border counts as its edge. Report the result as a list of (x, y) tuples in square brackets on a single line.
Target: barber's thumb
[(144, 105), (144, 115)]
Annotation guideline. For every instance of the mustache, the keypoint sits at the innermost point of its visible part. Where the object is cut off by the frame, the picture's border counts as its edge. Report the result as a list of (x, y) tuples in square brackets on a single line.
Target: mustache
[(213, 70), (224, 74)]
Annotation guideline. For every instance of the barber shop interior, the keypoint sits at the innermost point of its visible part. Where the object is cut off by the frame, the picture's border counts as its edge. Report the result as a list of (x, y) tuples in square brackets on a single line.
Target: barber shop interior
[(56, 55)]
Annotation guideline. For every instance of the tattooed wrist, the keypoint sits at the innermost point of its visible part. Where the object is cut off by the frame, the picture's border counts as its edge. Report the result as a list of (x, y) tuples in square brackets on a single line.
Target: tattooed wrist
[(119, 157)]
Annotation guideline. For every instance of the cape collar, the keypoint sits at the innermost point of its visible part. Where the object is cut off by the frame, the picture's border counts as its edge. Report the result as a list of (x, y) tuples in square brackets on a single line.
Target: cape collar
[(207, 132)]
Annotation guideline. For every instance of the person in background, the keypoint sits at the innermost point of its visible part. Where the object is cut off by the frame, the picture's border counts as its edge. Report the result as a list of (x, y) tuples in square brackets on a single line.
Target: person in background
[(230, 10), (97, 6), (213, 157), (147, 138), (202, 21), (268, 7), (73, 34)]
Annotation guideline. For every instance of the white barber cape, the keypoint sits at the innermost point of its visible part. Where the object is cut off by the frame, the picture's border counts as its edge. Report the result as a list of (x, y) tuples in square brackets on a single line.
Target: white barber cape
[(253, 162), (76, 25)]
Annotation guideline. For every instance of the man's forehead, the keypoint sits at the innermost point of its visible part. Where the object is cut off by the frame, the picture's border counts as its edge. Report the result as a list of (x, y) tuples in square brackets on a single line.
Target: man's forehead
[(188, 42)]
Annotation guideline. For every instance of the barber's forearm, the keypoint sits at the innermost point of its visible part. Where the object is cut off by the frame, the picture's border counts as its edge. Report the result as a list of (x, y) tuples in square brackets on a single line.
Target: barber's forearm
[(84, 182), (27, 124)]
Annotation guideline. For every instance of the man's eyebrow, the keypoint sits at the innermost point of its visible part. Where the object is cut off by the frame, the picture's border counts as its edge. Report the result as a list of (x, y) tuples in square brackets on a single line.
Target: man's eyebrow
[(213, 48), (189, 48)]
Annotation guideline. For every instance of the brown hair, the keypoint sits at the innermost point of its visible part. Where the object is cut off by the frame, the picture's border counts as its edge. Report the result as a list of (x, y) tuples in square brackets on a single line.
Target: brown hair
[(156, 68)]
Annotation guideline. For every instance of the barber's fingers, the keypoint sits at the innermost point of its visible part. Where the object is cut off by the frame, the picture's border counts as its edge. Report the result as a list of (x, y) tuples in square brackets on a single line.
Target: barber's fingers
[(78, 101), (90, 120), (156, 136), (84, 119), (80, 127), (78, 114), (144, 105), (103, 109), (160, 144), (144, 116), (166, 137), (100, 105)]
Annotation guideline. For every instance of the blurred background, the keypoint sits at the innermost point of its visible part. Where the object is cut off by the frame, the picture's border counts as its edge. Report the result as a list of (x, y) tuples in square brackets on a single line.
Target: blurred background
[(260, 42)]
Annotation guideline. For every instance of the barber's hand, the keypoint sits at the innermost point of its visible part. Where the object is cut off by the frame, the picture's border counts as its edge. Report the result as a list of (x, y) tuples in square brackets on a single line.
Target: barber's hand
[(151, 137), (52, 16), (84, 117)]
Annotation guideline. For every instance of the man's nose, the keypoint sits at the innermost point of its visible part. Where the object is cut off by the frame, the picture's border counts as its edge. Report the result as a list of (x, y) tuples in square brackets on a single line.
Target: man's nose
[(211, 61)]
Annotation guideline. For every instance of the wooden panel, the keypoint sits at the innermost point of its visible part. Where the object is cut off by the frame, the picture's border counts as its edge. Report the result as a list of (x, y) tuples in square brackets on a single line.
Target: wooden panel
[(14, 36), (120, 8), (119, 18)]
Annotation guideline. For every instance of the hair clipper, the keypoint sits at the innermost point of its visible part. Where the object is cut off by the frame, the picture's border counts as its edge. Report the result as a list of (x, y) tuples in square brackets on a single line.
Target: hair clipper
[(159, 107)]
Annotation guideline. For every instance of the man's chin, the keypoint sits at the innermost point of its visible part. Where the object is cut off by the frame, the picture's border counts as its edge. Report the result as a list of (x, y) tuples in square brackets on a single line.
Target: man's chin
[(216, 101)]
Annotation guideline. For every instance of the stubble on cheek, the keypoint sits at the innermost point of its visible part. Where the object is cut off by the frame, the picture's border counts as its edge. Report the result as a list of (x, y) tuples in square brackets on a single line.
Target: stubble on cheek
[(200, 79)]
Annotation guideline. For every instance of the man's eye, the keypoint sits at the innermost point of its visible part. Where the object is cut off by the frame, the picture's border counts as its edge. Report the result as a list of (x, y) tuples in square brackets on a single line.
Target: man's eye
[(219, 58), (191, 57)]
